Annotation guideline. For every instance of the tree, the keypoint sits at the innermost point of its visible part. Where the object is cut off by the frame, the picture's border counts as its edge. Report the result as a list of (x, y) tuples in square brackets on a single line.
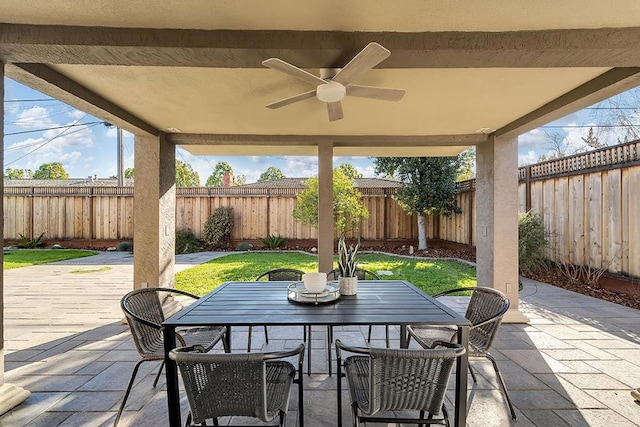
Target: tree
[(186, 176), (270, 174), (350, 171), (129, 173), (215, 179), (53, 170), (348, 208), (467, 165), (11, 173), (430, 186)]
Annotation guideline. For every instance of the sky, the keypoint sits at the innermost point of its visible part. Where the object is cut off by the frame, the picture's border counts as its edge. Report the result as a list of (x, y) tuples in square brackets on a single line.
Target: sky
[(39, 129)]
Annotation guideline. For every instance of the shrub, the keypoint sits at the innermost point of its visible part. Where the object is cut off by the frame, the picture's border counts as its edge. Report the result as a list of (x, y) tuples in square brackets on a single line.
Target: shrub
[(28, 243), (186, 242), (125, 247), (272, 241), (244, 246), (533, 242), (217, 229)]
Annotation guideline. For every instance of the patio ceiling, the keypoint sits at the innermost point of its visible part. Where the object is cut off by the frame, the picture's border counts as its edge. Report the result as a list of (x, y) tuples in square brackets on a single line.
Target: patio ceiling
[(468, 69)]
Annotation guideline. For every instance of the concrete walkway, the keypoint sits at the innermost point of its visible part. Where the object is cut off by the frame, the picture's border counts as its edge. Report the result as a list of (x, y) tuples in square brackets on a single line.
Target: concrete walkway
[(573, 365)]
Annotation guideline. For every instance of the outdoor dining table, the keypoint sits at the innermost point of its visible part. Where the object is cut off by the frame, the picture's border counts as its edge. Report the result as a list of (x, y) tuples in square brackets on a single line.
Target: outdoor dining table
[(378, 302)]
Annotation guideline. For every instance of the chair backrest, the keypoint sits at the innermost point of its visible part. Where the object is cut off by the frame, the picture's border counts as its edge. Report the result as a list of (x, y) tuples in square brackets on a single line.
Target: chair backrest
[(485, 311), (409, 379), (145, 310), (361, 274), (230, 384), (281, 274)]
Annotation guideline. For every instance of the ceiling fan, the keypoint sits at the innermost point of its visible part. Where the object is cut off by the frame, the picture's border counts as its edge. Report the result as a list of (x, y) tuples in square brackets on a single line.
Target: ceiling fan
[(334, 84)]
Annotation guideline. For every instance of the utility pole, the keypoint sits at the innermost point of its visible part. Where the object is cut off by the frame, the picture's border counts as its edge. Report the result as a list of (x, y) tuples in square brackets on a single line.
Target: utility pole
[(120, 158)]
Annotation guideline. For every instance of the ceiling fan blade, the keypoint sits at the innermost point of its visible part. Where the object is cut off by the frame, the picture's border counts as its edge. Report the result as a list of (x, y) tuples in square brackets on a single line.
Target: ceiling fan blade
[(373, 92), (292, 70), (335, 111), (291, 99), (367, 58)]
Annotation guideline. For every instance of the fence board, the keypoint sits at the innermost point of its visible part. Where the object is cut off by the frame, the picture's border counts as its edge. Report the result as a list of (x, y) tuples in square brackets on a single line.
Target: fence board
[(593, 236)]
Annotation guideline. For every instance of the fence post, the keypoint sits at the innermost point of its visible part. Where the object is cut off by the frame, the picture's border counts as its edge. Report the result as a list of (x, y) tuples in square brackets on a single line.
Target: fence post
[(527, 187), (91, 222), (472, 197), (31, 223), (268, 212), (385, 217)]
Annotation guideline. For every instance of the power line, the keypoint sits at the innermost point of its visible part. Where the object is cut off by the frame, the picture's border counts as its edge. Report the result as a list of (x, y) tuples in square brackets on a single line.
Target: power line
[(51, 139), (51, 128)]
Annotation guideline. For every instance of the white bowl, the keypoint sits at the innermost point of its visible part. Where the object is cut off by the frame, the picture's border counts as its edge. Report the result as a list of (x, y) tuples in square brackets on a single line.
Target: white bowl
[(314, 282)]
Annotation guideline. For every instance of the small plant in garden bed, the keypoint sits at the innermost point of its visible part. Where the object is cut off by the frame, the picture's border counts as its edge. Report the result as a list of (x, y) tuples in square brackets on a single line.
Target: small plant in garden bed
[(272, 241), (186, 242), (27, 243)]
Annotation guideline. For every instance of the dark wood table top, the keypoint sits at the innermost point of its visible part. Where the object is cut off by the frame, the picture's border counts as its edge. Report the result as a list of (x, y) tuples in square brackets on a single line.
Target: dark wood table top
[(378, 302)]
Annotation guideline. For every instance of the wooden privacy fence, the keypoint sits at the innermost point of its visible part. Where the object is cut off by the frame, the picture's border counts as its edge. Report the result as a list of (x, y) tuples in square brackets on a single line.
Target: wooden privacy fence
[(590, 204), (106, 213)]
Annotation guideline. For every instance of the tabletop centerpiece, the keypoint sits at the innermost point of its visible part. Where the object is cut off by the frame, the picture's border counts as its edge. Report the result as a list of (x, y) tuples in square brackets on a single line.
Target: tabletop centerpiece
[(347, 266)]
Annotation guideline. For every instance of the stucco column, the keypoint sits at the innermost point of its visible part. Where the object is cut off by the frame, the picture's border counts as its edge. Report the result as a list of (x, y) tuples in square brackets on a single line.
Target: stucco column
[(154, 217), (325, 207), (497, 220), (10, 395)]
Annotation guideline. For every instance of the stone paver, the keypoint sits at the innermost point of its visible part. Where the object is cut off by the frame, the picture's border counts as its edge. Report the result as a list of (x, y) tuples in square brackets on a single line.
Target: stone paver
[(573, 365)]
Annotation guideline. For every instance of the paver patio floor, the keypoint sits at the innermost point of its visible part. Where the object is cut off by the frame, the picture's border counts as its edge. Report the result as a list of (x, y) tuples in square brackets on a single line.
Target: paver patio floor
[(573, 365)]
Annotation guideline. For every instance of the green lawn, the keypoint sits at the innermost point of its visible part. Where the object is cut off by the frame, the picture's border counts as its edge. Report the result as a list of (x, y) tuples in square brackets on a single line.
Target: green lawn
[(430, 276), (27, 257)]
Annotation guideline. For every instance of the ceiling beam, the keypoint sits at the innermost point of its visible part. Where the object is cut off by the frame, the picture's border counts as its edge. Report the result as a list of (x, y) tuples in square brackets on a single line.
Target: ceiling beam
[(53, 44), (48, 81), (608, 84), (338, 140)]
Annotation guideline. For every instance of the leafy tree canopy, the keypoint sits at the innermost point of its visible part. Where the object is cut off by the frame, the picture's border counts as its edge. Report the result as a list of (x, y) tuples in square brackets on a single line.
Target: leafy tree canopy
[(216, 179), (11, 173), (430, 182), (349, 170), (348, 208), (186, 176), (270, 174), (467, 165), (129, 173), (53, 170)]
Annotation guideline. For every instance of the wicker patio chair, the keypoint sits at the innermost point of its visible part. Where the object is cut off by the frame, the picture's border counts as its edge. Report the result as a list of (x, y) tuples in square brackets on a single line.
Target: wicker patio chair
[(242, 384), (283, 274), (485, 311), (145, 310), (382, 379)]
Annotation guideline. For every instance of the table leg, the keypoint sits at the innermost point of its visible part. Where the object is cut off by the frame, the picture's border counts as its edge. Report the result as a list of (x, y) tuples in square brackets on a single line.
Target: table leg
[(462, 369), (403, 336), (227, 337), (171, 372)]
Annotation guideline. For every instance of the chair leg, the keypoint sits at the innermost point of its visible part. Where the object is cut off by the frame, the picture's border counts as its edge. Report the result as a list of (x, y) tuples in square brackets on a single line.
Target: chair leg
[(249, 339), (445, 415), (266, 334), (503, 385), (155, 382), (473, 373), (354, 412), (283, 419), (421, 416), (126, 393), (369, 334)]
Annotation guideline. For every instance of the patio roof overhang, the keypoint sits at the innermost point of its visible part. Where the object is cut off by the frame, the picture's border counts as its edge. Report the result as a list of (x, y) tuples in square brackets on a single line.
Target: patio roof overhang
[(468, 71)]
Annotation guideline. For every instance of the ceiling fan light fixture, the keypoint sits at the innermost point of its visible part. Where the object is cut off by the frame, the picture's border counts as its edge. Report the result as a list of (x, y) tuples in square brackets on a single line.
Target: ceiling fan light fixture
[(331, 92)]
